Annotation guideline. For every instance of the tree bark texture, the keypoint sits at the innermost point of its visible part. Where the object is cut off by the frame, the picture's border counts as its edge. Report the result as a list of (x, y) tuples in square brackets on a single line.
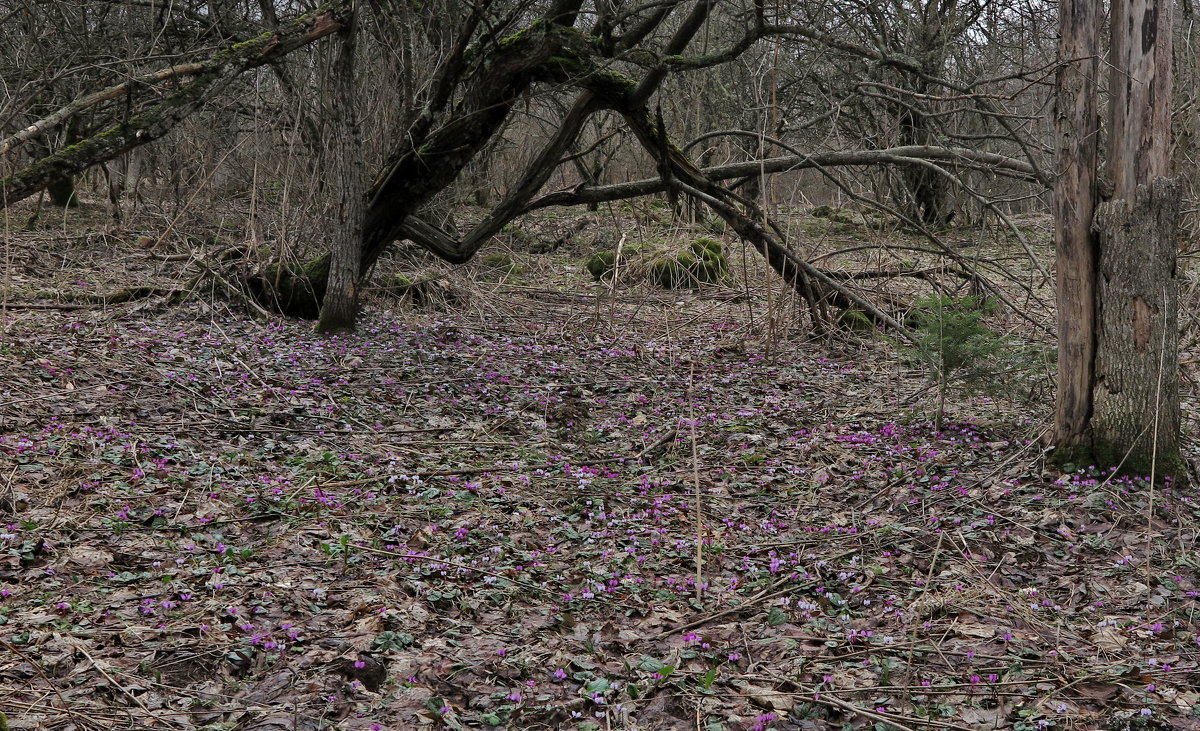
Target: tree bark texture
[(424, 164), (1140, 89), (1135, 411), (339, 308), (1077, 128), (1118, 399), (1135, 416)]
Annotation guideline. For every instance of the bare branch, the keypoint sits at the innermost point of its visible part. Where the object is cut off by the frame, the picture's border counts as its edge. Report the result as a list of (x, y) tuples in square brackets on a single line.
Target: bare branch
[(906, 155), (38, 128), (210, 78)]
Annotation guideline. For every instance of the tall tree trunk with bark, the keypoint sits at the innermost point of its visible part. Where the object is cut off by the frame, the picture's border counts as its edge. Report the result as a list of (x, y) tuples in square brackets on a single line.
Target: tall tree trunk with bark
[(1136, 400), (1118, 397), (339, 308), (1077, 130), (1135, 408)]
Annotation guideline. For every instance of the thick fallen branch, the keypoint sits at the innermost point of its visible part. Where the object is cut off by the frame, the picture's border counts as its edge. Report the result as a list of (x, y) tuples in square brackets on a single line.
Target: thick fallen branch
[(50, 121), (925, 273), (85, 300), (41, 306), (208, 78)]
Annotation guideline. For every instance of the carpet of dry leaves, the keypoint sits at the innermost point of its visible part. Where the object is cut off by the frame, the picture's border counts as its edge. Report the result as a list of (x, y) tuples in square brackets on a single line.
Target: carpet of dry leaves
[(554, 510)]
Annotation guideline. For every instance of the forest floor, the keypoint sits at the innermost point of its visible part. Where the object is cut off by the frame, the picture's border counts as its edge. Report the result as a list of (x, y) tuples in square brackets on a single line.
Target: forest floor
[(552, 505)]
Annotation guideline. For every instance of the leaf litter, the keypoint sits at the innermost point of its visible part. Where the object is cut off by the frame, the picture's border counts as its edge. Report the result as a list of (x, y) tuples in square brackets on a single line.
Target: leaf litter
[(557, 517)]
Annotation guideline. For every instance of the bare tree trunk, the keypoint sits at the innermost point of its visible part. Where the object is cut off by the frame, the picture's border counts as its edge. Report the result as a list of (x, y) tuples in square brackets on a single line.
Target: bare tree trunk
[(1135, 416), (339, 309), (1136, 399), (1077, 128), (1140, 90), (1118, 295)]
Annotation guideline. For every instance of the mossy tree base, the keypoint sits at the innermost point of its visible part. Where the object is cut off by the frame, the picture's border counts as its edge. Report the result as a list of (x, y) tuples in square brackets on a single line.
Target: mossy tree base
[(62, 193), (295, 291), (1135, 464)]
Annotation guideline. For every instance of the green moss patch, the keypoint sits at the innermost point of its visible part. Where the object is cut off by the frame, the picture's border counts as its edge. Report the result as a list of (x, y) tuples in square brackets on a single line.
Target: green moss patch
[(497, 265), (855, 320), (702, 262), (601, 263), (837, 215)]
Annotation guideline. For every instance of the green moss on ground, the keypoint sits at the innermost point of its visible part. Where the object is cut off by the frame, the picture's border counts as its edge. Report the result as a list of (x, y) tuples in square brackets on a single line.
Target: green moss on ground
[(295, 290), (497, 265), (702, 262), (601, 263), (855, 320), (837, 215), (400, 286)]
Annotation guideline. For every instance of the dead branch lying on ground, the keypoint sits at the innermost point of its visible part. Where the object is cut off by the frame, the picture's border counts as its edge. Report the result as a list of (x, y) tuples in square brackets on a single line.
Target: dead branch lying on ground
[(209, 270)]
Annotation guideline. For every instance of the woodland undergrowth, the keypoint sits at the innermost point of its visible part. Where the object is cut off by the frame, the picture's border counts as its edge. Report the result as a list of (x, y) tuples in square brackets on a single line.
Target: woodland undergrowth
[(558, 510)]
